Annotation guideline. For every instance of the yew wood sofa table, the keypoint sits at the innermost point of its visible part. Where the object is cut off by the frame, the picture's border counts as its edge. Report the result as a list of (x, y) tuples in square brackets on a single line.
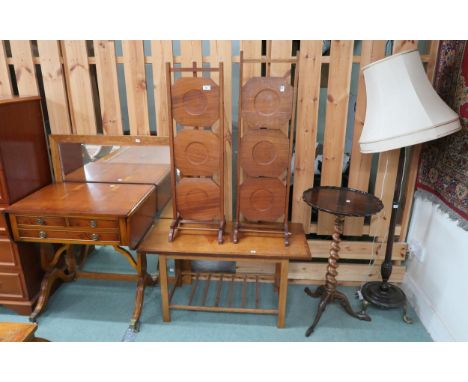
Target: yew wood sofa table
[(85, 214), (341, 202), (191, 245)]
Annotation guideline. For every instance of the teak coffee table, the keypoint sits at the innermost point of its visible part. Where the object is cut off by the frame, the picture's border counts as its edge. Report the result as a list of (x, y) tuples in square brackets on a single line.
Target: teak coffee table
[(341, 202), (192, 245), (19, 332)]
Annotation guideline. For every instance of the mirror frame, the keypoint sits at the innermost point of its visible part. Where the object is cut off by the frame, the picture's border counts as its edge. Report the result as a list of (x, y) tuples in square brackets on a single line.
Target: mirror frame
[(106, 140)]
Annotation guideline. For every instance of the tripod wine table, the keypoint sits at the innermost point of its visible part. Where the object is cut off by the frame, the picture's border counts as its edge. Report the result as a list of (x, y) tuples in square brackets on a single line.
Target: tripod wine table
[(341, 202)]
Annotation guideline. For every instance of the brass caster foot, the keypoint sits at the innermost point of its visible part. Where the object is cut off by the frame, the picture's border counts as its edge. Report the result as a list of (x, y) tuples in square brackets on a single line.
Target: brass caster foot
[(364, 305), (406, 319), (134, 326), (363, 316)]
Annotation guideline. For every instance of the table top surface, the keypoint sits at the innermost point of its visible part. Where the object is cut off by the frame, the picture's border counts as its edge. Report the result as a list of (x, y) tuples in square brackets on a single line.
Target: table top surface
[(342, 201), (16, 331), (83, 199), (205, 244)]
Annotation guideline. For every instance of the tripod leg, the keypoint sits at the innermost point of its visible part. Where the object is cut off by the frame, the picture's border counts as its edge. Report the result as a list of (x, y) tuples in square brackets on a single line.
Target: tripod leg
[(343, 300), (317, 293), (320, 309)]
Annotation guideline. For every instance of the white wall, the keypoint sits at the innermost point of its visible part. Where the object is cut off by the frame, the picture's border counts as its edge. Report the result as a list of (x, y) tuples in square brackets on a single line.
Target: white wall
[(437, 283)]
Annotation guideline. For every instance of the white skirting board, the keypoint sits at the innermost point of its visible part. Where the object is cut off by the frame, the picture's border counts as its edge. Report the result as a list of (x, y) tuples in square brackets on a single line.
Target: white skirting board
[(425, 311), (437, 266)]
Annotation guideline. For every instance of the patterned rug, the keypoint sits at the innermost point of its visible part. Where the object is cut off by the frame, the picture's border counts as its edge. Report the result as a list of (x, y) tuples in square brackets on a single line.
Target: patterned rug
[(443, 168)]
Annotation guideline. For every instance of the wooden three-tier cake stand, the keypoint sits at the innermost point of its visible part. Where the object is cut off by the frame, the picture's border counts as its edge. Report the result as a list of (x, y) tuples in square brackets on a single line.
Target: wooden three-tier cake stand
[(265, 140), (197, 150)]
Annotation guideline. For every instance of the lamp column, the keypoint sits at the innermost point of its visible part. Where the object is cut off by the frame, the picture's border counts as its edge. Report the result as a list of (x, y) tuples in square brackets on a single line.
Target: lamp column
[(382, 293)]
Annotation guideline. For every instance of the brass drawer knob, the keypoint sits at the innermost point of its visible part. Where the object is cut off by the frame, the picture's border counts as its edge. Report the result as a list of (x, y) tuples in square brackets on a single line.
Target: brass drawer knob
[(93, 223), (42, 234), (94, 236), (40, 221)]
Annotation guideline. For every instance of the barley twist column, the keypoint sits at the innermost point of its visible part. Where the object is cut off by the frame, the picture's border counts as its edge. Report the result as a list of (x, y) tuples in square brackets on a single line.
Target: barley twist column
[(332, 272)]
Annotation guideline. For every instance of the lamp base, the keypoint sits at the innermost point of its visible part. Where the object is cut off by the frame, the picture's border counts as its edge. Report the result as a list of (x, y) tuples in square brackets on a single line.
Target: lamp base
[(384, 296)]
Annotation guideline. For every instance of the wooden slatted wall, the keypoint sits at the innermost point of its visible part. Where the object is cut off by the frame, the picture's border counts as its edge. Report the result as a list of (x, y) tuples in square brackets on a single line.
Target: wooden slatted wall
[(81, 85)]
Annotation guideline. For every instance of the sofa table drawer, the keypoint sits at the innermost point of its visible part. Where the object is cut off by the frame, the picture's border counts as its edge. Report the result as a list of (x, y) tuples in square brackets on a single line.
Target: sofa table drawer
[(10, 285), (7, 253), (47, 221), (76, 236), (93, 223)]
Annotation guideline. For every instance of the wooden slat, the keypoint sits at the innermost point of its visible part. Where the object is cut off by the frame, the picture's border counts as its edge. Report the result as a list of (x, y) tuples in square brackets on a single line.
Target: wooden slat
[(357, 250), (135, 82), (402, 45), (384, 189), (306, 127), (207, 59), (5, 82), (339, 81), (219, 290), (360, 167), (221, 51), (80, 93), (191, 51), (24, 67), (346, 272), (349, 250), (306, 273), (54, 86), (231, 292), (386, 172), (251, 49), (280, 49), (407, 199), (244, 291), (161, 52), (106, 70), (365, 229), (194, 289)]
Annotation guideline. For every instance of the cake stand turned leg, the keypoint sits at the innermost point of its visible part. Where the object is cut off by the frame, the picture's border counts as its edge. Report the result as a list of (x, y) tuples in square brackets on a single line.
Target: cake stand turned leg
[(235, 233), (173, 227), (222, 224)]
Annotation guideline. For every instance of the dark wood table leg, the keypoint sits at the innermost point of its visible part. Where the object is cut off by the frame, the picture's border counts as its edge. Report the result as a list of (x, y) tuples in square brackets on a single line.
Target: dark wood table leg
[(328, 293), (55, 271)]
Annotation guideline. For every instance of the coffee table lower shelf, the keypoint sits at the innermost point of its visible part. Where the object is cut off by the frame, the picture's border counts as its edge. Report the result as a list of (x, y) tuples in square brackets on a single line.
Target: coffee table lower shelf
[(224, 285), (279, 281)]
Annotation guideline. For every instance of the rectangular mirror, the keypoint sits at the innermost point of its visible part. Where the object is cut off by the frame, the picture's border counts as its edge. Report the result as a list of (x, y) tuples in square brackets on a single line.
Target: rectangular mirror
[(122, 159)]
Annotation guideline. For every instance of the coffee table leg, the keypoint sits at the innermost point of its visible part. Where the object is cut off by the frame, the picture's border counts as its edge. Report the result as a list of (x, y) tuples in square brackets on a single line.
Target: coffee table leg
[(164, 289), (283, 293)]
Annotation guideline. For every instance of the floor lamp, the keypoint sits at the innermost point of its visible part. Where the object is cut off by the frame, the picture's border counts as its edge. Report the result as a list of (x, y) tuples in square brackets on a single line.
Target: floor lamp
[(403, 109)]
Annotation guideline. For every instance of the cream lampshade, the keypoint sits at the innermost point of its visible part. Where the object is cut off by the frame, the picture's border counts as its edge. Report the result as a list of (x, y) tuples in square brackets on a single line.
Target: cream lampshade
[(403, 108)]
